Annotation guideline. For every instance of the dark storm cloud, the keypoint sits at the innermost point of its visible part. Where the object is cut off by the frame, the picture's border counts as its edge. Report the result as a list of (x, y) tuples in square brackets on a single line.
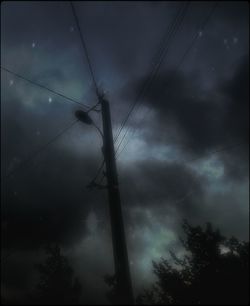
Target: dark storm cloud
[(162, 184), (203, 121), (186, 112), (50, 207)]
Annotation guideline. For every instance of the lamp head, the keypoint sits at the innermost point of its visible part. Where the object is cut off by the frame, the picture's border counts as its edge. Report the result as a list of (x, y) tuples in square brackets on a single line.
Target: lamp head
[(83, 117)]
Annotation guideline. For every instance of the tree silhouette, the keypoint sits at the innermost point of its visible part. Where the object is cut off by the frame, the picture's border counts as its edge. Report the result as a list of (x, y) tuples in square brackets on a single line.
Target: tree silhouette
[(213, 271), (113, 293), (57, 285)]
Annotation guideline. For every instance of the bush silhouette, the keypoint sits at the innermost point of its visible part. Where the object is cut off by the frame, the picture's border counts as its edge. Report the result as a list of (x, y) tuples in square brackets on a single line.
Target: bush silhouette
[(213, 271)]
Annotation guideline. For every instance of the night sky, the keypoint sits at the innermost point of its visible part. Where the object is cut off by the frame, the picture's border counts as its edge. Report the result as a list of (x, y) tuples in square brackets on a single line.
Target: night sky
[(187, 155)]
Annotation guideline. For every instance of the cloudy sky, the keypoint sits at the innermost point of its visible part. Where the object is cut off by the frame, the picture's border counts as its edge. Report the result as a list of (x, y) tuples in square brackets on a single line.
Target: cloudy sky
[(184, 154)]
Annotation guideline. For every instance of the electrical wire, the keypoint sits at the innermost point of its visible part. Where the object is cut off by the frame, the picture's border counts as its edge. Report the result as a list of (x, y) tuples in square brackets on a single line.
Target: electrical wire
[(170, 32), (202, 27), (84, 48), (26, 161), (175, 30), (181, 61), (98, 172), (43, 87), (163, 51)]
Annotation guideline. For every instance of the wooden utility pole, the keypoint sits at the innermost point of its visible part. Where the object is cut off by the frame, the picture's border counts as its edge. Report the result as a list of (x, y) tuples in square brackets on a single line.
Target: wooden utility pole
[(122, 273)]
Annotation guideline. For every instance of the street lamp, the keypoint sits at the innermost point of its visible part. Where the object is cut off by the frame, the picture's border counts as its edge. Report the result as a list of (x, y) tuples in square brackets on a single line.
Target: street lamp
[(85, 118)]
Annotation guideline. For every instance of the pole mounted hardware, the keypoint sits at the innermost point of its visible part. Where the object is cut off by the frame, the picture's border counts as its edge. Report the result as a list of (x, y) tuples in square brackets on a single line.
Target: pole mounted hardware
[(93, 184)]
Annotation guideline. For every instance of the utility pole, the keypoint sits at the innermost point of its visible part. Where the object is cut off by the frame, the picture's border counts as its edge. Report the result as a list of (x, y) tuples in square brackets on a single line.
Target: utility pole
[(123, 285), (122, 273)]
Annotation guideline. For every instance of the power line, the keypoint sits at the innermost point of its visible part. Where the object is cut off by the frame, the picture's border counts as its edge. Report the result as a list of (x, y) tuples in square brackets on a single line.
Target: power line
[(84, 47), (163, 51), (26, 161), (202, 27), (99, 170), (43, 87), (184, 55), (170, 32), (176, 28), (181, 61), (91, 71)]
